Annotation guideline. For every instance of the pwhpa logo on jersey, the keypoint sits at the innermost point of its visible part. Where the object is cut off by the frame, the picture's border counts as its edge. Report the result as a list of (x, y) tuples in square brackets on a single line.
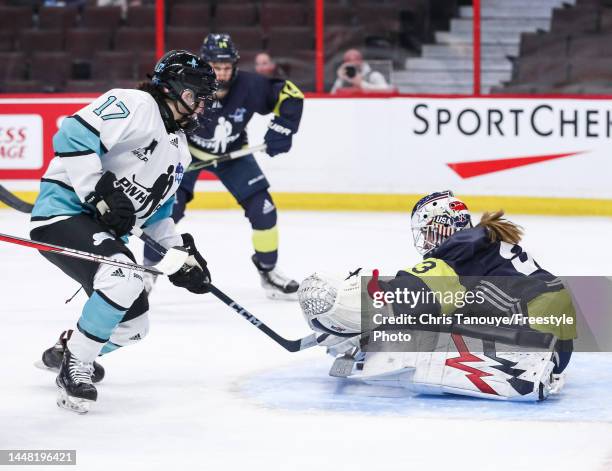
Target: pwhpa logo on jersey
[(150, 197), (21, 140), (143, 153)]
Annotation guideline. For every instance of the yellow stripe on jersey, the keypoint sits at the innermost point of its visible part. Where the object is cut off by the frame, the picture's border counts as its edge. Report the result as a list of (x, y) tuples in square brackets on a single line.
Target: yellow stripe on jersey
[(290, 90), (265, 240), (555, 303), (439, 278)]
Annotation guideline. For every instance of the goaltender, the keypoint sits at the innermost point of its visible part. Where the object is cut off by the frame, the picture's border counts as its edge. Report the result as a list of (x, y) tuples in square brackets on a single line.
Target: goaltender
[(512, 340)]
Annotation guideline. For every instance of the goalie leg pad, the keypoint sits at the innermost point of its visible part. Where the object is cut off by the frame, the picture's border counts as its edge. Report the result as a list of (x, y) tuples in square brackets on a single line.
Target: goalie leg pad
[(461, 369)]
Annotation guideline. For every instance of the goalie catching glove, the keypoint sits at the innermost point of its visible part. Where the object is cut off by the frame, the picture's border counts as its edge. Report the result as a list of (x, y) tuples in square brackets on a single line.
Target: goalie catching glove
[(332, 305), (193, 275), (113, 207), (279, 136)]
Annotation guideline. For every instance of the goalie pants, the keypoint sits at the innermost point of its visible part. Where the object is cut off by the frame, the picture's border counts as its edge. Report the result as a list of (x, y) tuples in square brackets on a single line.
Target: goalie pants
[(246, 182), (115, 314)]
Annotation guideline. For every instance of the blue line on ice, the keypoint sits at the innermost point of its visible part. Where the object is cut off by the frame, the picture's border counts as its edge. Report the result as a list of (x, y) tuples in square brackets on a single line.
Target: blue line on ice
[(587, 395)]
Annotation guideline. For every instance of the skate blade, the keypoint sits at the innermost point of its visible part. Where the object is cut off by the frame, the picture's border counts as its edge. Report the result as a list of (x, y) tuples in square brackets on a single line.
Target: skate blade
[(73, 404)]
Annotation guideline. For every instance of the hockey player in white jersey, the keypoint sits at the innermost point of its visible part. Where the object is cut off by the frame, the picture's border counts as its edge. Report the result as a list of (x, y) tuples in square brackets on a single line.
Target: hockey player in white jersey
[(118, 162), (517, 362)]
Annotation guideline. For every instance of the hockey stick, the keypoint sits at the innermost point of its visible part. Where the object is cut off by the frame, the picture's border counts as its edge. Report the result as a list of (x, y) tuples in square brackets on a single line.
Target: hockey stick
[(289, 345), (43, 246), (212, 160), (166, 267), (14, 202)]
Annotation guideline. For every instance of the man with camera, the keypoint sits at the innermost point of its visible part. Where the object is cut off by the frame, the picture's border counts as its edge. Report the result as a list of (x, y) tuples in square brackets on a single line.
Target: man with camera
[(357, 75)]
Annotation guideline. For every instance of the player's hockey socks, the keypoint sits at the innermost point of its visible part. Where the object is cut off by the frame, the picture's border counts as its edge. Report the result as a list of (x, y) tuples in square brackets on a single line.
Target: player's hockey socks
[(52, 357)]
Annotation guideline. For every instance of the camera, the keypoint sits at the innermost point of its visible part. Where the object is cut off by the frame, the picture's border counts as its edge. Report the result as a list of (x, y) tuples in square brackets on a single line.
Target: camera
[(350, 71)]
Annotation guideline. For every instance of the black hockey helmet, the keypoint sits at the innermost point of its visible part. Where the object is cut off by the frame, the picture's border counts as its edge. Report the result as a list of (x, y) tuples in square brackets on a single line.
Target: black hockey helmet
[(180, 70), (219, 48)]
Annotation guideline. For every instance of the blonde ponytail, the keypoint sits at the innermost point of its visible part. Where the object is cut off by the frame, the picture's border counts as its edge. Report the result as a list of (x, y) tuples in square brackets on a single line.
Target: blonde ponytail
[(500, 229)]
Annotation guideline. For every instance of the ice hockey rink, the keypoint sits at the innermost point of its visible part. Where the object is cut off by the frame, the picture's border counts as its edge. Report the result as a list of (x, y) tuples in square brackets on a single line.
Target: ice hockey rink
[(205, 390)]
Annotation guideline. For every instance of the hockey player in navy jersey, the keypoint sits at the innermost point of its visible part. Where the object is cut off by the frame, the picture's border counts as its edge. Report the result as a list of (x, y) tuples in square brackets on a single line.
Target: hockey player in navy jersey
[(484, 261), (223, 129), (118, 163)]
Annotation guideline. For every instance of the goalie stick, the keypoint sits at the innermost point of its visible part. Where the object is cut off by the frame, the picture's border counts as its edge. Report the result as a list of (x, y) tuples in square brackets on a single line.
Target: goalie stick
[(14, 202), (289, 345), (212, 160)]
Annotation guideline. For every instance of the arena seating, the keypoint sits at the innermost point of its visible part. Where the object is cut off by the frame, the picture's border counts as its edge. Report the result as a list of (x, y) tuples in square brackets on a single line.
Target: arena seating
[(104, 46), (574, 56)]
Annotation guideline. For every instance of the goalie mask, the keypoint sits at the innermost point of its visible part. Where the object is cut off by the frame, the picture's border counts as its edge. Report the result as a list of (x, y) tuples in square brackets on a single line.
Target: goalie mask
[(435, 218), (332, 305)]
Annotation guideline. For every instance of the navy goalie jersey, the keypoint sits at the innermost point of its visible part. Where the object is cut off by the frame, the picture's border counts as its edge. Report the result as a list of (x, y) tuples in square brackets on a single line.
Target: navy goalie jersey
[(508, 279)]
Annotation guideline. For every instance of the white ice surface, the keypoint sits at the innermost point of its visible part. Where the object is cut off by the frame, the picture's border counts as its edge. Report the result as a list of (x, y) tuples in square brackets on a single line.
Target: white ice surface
[(206, 390)]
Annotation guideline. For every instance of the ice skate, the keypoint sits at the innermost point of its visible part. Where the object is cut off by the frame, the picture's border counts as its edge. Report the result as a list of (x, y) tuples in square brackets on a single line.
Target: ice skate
[(275, 284), (52, 358), (76, 391)]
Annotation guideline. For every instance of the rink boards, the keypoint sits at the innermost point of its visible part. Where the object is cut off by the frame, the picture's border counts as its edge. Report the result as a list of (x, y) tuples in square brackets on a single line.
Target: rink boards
[(529, 155)]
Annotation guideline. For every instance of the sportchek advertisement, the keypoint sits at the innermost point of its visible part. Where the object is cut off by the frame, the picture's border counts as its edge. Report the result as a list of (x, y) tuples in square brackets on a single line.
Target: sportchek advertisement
[(477, 146), (546, 147)]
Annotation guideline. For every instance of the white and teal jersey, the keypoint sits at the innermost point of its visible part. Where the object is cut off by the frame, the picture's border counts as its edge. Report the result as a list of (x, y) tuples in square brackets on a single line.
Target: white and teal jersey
[(121, 131)]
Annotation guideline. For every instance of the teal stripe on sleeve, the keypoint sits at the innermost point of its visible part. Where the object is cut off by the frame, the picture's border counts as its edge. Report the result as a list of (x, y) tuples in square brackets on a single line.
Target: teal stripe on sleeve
[(76, 137), (56, 200)]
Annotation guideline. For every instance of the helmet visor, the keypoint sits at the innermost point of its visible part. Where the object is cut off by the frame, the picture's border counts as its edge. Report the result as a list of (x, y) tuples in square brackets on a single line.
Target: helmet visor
[(202, 85)]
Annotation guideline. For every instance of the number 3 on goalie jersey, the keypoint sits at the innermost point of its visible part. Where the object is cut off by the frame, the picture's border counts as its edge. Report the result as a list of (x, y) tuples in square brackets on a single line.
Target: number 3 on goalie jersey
[(123, 113), (522, 261), (424, 267)]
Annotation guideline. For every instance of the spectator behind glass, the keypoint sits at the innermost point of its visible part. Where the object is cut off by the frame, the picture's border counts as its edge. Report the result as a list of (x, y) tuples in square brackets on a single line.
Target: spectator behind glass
[(264, 65), (356, 74)]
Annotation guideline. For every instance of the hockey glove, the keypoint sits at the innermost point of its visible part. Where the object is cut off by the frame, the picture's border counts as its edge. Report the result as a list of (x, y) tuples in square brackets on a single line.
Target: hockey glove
[(193, 276), (279, 136), (117, 212)]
